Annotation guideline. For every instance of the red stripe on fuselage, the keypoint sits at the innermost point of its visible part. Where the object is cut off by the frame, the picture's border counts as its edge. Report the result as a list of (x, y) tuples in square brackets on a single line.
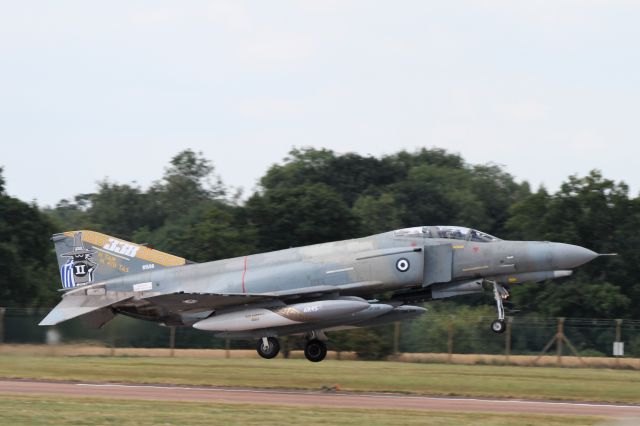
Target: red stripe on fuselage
[(244, 272)]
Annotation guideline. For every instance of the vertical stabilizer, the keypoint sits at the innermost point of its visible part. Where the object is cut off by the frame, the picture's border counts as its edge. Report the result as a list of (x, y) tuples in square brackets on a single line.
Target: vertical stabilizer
[(86, 257)]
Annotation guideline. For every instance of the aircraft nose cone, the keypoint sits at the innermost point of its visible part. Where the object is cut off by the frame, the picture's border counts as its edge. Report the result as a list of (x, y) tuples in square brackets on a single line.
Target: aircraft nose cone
[(567, 256)]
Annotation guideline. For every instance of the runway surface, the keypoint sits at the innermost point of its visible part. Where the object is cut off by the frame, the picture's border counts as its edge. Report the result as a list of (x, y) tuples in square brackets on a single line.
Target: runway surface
[(311, 398)]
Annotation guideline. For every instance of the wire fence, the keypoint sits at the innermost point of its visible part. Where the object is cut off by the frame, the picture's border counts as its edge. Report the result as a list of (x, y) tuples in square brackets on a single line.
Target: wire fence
[(431, 333)]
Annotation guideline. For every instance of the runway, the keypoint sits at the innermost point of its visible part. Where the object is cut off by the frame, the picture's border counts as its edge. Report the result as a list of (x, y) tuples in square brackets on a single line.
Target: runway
[(312, 398)]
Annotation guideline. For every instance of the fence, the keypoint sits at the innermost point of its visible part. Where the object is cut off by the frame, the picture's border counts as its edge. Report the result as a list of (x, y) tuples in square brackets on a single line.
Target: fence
[(435, 332)]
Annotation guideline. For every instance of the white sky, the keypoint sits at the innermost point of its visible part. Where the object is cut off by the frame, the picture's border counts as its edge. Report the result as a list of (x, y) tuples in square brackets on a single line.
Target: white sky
[(114, 89)]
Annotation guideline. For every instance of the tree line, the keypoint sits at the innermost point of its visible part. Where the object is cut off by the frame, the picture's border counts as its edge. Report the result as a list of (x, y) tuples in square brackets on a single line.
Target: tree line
[(317, 195)]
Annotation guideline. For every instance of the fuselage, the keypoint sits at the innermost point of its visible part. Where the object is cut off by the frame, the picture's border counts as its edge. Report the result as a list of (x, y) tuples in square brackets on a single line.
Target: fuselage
[(404, 259)]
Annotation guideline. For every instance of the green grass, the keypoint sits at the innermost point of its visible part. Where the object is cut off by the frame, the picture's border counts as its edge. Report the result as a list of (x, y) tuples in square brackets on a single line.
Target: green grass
[(578, 384), (31, 410)]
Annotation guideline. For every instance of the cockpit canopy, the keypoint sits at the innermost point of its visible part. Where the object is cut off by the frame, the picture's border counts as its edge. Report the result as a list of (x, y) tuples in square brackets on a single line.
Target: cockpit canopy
[(449, 232)]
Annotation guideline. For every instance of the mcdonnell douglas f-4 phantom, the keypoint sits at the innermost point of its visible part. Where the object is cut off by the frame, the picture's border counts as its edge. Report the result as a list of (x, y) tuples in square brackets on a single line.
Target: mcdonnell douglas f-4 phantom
[(305, 290)]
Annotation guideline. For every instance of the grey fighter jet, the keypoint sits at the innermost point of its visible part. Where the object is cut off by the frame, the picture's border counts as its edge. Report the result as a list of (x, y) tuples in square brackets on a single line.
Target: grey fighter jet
[(306, 290)]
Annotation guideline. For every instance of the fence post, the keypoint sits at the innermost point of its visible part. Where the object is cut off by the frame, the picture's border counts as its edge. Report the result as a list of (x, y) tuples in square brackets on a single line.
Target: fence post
[(286, 350), (507, 337), (618, 338), (112, 341), (450, 341), (560, 340), (396, 338), (2, 311), (172, 340)]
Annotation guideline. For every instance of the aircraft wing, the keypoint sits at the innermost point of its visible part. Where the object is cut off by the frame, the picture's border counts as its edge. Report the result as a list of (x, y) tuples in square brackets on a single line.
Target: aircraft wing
[(181, 302), (81, 302)]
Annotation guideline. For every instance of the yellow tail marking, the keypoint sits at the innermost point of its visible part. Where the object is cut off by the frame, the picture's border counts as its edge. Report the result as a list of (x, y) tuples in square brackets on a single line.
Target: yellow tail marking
[(100, 240)]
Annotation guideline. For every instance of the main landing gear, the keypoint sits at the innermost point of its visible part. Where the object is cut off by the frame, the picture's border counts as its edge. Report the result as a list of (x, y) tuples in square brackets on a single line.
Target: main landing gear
[(315, 350), (268, 347), (499, 293)]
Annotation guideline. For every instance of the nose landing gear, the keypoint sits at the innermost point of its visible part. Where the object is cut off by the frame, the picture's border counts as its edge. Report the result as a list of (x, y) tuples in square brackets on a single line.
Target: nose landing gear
[(498, 326), (499, 293)]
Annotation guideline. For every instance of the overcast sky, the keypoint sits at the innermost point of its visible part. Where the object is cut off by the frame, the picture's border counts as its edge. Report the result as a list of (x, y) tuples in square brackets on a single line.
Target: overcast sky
[(90, 90)]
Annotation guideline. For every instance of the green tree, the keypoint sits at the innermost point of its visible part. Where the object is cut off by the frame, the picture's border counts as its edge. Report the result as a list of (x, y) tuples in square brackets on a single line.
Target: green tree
[(300, 215), (350, 175), (436, 157), (440, 196), (26, 257), (370, 343), (497, 192), (187, 182), (210, 232), (120, 210), (592, 212), (69, 215), (378, 213)]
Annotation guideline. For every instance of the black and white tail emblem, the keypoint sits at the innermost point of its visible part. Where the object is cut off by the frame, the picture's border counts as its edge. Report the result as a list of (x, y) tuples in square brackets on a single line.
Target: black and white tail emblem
[(402, 264), (80, 267)]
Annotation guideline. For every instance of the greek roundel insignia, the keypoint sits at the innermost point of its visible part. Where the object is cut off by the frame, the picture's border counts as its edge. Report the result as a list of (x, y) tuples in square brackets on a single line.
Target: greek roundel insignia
[(402, 265)]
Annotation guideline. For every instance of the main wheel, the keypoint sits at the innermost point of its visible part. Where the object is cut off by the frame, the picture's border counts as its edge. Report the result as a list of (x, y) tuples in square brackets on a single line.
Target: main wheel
[(270, 350), (498, 326), (315, 350)]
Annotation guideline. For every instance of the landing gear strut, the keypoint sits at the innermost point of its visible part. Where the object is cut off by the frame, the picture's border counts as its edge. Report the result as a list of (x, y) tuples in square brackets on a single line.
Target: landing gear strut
[(499, 293), (268, 347)]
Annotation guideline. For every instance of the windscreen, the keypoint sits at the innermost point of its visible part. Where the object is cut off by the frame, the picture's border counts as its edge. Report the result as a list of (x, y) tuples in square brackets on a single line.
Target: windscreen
[(447, 232)]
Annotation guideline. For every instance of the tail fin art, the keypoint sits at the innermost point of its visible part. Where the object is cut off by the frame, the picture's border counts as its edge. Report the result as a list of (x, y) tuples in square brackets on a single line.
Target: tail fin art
[(85, 257), (88, 257)]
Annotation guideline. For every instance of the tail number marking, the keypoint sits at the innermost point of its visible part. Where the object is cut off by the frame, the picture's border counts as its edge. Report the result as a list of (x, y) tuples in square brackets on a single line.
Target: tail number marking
[(121, 247)]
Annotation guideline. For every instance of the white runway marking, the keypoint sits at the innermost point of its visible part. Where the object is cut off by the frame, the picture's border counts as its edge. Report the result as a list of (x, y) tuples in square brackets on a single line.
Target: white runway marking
[(365, 395), (318, 398)]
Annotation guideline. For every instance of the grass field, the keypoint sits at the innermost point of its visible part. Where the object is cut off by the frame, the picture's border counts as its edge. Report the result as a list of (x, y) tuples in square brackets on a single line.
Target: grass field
[(29, 410), (603, 385)]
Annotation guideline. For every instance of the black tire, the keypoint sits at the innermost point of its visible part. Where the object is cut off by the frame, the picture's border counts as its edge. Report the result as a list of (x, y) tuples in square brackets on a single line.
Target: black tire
[(315, 350), (271, 351), (498, 326)]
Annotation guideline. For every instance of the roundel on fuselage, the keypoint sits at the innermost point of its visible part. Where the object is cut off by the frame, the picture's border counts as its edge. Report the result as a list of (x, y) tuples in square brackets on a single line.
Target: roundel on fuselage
[(402, 264)]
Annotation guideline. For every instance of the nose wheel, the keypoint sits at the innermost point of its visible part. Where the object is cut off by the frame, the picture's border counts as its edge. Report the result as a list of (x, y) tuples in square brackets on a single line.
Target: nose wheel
[(498, 326), (268, 347), (499, 293)]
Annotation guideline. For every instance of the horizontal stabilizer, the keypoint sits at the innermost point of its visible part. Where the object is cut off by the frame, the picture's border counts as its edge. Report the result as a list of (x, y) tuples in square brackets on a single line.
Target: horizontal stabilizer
[(73, 306)]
